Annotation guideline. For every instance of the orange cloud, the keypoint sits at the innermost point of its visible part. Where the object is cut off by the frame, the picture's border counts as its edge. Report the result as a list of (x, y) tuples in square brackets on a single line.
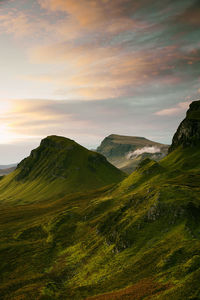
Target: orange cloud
[(36, 118), (92, 64), (93, 14), (97, 72), (15, 23)]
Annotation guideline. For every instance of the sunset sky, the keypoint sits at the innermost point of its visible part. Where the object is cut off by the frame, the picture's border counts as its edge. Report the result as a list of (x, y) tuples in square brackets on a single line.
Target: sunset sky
[(87, 68)]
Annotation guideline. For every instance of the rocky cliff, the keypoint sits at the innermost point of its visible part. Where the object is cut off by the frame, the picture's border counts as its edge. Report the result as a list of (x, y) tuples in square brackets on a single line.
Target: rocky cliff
[(188, 132)]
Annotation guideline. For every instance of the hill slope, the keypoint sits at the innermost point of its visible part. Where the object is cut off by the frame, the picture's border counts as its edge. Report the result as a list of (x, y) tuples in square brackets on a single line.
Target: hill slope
[(125, 152), (138, 239), (58, 166)]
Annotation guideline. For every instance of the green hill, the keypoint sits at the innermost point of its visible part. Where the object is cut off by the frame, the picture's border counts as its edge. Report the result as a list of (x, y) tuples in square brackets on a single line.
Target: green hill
[(138, 239), (126, 152), (58, 166)]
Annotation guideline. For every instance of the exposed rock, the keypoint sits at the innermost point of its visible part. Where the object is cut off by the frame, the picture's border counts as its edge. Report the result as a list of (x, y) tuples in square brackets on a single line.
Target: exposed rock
[(188, 132)]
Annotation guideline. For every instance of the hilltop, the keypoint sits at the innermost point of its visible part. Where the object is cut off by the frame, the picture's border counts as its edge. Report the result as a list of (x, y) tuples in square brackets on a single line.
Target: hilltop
[(137, 239), (126, 152), (58, 166)]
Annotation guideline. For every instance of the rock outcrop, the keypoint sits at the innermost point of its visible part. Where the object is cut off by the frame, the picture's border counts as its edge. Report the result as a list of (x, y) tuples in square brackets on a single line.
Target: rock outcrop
[(188, 132)]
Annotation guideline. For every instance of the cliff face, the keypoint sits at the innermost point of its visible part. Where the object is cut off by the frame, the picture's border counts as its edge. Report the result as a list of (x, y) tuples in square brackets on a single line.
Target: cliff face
[(188, 132)]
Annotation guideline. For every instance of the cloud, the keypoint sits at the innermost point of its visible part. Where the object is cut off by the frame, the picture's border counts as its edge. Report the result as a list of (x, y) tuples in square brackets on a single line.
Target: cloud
[(191, 15), (94, 71), (87, 121), (103, 49), (135, 57), (176, 110), (140, 151), (90, 14), (16, 24)]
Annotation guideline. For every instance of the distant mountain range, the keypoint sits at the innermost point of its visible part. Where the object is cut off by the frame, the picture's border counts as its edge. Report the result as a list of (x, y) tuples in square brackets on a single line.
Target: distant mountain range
[(126, 152), (73, 226), (3, 167), (7, 169)]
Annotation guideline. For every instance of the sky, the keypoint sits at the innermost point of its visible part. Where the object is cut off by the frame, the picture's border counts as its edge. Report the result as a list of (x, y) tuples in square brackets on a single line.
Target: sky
[(85, 69)]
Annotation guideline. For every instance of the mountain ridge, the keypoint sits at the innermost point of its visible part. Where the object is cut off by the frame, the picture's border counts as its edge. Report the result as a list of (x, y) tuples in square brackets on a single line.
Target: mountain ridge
[(121, 150), (140, 235)]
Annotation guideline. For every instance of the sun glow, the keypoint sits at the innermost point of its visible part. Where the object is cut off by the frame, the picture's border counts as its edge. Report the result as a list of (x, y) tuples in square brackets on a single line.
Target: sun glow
[(6, 136), (9, 137)]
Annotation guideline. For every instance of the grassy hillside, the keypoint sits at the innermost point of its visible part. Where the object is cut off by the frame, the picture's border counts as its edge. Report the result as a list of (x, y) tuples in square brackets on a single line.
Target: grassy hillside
[(58, 166), (119, 150), (138, 239)]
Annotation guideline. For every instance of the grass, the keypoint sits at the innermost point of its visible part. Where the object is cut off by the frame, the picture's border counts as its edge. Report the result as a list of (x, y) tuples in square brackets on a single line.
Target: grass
[(135, 239), (57, 167)]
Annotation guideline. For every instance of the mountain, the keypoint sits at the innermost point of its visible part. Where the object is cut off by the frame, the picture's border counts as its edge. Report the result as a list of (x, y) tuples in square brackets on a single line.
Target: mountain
[(126, 152), (58, 166), (188, 132), (137, 239)]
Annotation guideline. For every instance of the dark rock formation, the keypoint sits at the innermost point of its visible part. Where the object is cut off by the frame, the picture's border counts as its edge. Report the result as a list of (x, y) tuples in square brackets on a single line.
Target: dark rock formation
[(188, 132)]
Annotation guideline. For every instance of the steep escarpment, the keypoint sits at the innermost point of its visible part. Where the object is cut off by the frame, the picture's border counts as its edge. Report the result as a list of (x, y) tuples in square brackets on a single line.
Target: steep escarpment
[(188, 132)]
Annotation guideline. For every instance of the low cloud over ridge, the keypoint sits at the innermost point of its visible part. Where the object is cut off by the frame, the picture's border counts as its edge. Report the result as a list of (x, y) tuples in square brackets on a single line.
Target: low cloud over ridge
[(140, 151)]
